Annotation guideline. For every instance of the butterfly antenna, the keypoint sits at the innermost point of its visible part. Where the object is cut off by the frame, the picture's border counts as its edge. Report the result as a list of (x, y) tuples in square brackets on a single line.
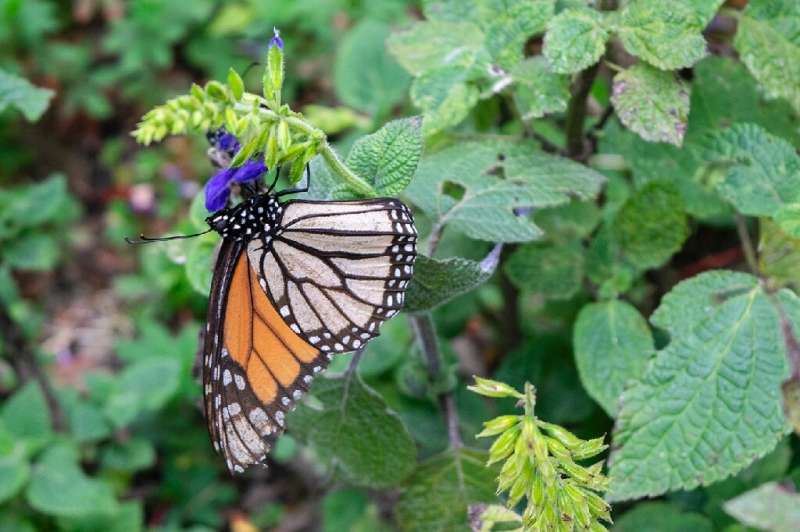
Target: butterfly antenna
[(149, 240)]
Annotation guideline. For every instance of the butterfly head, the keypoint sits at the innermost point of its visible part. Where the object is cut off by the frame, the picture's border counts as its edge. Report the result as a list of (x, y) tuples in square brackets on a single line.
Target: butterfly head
[(249, 219)]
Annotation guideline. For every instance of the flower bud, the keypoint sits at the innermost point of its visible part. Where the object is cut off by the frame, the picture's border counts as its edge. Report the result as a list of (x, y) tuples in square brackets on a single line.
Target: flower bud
[(589, 448), (503, 445), (491, 388), (561, 434), (216, 90), (557, 449), (497, 425), (236, 84), (284, 136), (272, 80)]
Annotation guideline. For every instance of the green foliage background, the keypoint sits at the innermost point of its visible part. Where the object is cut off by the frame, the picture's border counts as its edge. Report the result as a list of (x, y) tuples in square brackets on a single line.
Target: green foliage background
[(608, 195)]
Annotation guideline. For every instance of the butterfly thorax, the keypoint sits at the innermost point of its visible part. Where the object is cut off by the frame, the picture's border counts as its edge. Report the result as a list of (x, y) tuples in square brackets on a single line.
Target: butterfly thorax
[(256, 216)]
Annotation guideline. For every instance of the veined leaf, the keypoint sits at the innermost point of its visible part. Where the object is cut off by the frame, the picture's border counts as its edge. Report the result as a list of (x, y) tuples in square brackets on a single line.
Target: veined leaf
[(28, 99), (661, 517), (437, 281), (388, 158), (763, 171), (437, 496), (509, 23), (613, 344), (372, 446), (768, 42), (553, 270), (653, 103), (431, 45), (539, 90), (778, 254), (460, 186), (365, 76), (768, 507), (575, 39), (445, 96), (710, 402), (666, 35)]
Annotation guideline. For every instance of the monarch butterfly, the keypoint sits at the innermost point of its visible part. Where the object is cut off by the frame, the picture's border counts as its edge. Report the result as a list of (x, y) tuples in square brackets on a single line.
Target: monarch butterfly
[(295, 282)]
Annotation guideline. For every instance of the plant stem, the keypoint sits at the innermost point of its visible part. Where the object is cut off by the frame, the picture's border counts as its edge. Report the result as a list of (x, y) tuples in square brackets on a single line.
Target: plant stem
[(351, 368), (425, 332), (747, 244), (576, 111)]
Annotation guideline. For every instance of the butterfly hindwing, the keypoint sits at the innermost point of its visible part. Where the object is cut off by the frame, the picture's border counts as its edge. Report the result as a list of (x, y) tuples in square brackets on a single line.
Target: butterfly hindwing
[(255, 367), (337, 270)]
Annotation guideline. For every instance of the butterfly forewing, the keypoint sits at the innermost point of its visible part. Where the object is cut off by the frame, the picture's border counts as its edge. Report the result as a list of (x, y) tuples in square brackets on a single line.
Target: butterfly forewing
[(282, 303)]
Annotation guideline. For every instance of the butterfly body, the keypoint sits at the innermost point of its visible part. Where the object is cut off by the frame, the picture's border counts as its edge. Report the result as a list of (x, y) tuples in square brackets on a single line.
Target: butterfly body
[(295, 283)]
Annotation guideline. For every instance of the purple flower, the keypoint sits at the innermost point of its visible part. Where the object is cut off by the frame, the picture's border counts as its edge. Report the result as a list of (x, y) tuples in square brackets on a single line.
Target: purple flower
[(276, 40), (227, 142), (218, 187)]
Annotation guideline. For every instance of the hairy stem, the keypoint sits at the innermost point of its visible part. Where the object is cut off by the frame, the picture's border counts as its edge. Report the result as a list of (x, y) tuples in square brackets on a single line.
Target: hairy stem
[(747, 244), (576, 111), (425, 332)]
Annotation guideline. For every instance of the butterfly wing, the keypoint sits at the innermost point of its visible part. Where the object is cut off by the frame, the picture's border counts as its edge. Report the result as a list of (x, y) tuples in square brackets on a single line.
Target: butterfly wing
[(255, 367), (336, 270)]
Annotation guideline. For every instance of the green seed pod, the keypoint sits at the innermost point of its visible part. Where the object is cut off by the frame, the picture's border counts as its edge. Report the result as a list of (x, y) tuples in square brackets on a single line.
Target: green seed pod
[(271, 151), (503, 445), (491, 388), (284, 136), (197, 92), (597, 527), (557, 449), (589, 448), (217, 90), (580, 474), (497, 425), (561, 434)]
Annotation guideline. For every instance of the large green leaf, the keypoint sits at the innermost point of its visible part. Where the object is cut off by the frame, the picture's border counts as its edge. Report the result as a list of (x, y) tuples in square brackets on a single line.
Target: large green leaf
[(762, 171), (575, 39), (59, 487), (26, 414), (553, 270), (666, 35), (445, 96), (28, 99), (661, 517), (613, 344), (32, 252), (365, 76), (778, 255), (388, 158), (350, 426), (459, 186), (508, 24), (710, 402), (431, 45), (651, 226), (437, 497), (653, 103), (768, 42), (143, 386), (437, 281), (14, 467), (539, 90), (768, 507)]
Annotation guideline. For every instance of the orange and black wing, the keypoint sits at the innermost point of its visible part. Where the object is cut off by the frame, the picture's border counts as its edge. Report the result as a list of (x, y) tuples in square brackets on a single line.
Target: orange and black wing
[(254, 368)]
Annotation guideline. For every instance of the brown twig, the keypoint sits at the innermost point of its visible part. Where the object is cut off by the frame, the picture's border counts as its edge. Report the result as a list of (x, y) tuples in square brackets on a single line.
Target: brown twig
[(27, 367), (576, 112)]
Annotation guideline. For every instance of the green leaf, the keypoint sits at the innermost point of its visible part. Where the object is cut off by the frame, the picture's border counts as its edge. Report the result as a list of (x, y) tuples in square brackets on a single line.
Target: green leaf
[(710, 402), (388, 158), (365, 76), (651, 226), (87, 422), (705, 9), (508, 24), (763, 171), (459, 186), (553, 270), (445, 97), (33, 205), (778, 255), (32, 252), (661, 517), (653, 103), (539, 90), (666, 35), (613, 345), (373, 447), (26, 414), (199, 262), (131, 455), (348, 510), (438, 495), (58, 487), (144, 386), (576, 219), (788, 218), (768, 43), (28, 99), (437, 281), (575, 40), (432, 45), (14, 470), (768, 507)]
